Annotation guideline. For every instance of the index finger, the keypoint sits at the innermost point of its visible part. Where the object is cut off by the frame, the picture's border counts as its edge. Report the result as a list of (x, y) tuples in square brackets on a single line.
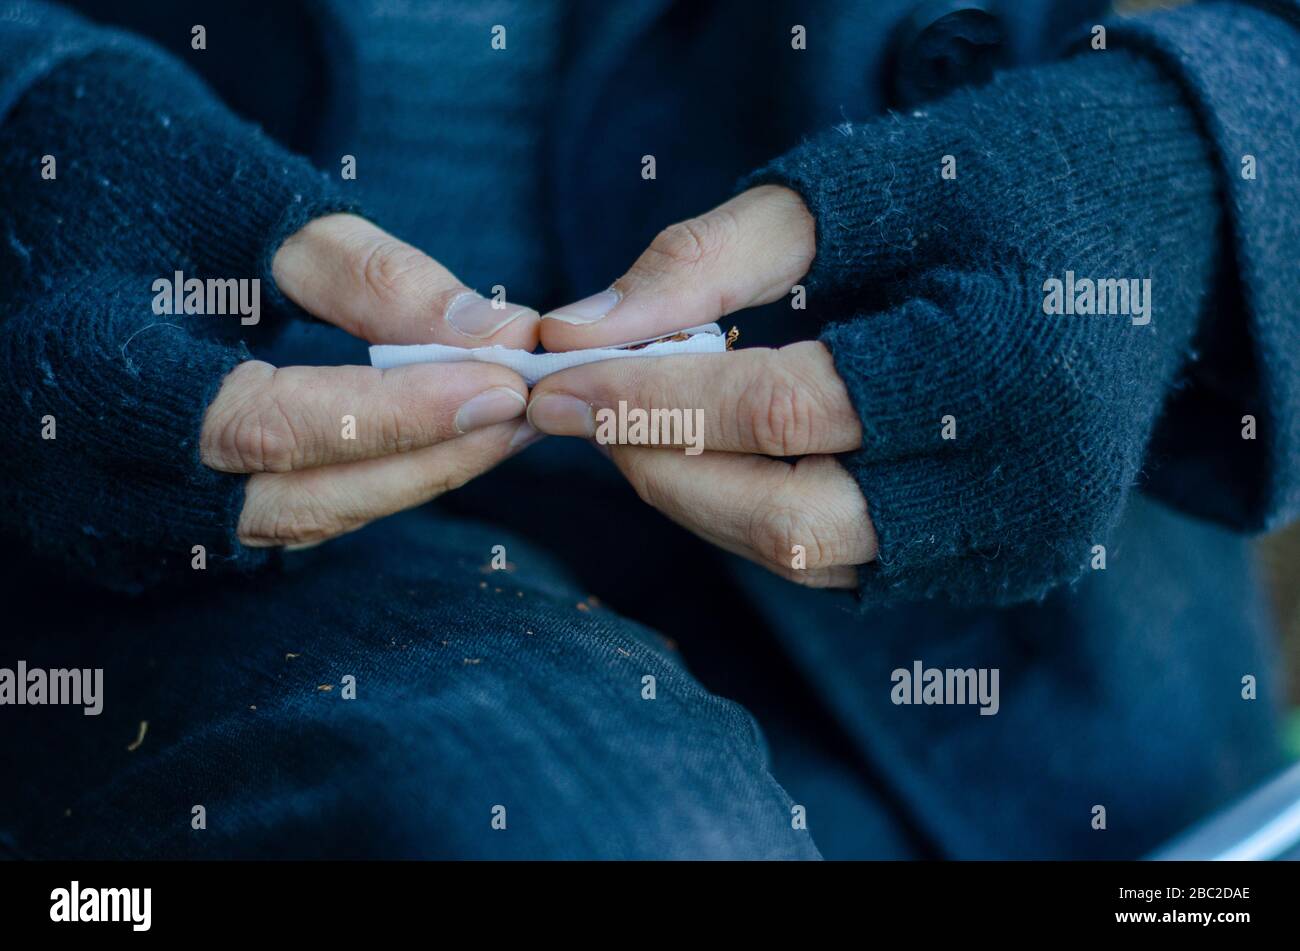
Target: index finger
[(353, 274), (269, 419), (747, 251), (786, 402)]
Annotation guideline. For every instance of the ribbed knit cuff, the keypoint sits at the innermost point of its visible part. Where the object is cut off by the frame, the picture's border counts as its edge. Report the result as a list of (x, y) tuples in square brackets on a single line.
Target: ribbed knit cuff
[(108, 477), (871, 190)]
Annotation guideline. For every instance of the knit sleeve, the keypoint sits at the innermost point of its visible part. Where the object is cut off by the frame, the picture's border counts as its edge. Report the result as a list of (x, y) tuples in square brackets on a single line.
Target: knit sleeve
[(1007, 395), (1239, 64), (119, 169)]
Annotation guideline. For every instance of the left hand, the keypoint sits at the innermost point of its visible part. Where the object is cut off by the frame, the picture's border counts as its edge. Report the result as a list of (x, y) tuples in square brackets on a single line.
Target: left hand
[(757, 403)]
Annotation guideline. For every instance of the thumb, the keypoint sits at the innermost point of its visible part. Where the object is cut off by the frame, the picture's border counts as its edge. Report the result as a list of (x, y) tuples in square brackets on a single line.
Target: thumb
[(350, 273), (746, 252)]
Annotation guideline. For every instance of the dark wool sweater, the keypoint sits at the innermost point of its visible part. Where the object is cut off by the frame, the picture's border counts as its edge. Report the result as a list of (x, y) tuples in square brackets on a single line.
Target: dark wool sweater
[(929, 290)]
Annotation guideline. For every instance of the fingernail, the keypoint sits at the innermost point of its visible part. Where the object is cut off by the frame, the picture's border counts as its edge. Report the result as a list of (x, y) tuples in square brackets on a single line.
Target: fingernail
[(588, 310), (562, 415), (491, 406), (525, 435), (476, 316)]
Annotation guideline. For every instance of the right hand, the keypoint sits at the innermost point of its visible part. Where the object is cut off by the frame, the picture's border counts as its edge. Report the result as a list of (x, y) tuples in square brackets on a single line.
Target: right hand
[(419, 430)]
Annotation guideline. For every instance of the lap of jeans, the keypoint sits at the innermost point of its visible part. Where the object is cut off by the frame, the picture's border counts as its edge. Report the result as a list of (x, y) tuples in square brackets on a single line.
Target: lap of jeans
[(389, 694)]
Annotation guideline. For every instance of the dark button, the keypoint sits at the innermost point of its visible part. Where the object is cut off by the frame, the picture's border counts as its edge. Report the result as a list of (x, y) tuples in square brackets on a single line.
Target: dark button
[(943, 44)]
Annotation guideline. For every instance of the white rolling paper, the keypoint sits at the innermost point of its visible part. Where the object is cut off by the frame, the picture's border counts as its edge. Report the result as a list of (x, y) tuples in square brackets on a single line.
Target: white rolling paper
[(534, 366)]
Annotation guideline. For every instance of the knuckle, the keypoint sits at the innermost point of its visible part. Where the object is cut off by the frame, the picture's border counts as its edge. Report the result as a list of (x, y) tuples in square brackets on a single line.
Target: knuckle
[(250, 431), (302, 519), (303, 523), (773, 531), (277, 442), (266, 439), (779, 413), (777, 527), (396, 430), (390, 270), (692, 242)]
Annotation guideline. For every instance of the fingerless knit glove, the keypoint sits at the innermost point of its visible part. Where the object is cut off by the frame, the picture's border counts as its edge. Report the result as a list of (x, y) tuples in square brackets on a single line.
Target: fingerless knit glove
[(1000, 441), (152, 175)]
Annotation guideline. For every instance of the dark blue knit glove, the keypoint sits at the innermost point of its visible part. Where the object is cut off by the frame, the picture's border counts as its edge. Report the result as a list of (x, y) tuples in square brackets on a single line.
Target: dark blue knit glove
[(152, 175), (999, 440)]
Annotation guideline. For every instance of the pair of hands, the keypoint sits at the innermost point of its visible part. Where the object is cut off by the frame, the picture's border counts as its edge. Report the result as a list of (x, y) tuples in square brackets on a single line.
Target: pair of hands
[(423, 430)]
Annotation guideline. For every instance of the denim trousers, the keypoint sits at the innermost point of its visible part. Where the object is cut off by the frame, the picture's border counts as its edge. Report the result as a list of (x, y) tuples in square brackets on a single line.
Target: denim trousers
[(389, 695)]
